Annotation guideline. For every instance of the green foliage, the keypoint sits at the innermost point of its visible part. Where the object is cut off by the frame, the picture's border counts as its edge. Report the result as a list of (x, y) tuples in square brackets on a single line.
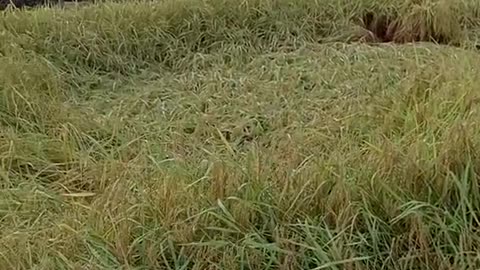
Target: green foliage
[(213, 135)]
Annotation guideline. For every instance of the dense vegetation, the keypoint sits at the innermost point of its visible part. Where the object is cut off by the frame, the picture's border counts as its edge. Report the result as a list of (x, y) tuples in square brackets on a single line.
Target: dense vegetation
[(222, 134)]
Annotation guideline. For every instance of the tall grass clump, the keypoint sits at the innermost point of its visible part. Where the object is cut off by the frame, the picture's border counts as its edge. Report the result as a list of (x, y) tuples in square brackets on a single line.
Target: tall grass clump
[(238, 135)]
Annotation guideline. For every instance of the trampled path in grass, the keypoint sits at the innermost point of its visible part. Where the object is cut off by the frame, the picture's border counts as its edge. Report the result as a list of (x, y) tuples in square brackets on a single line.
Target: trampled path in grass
[(263, 135)]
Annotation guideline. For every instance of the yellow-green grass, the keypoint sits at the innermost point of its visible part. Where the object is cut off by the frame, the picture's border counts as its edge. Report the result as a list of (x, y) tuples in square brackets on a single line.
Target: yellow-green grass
[(208, 135)]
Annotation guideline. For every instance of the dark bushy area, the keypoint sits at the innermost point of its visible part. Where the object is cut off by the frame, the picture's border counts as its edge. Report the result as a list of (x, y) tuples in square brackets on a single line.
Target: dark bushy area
[(21, 4)]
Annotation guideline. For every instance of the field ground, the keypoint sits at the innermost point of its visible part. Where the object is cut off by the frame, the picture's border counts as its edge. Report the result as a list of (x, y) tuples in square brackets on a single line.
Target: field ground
[(240, 135)]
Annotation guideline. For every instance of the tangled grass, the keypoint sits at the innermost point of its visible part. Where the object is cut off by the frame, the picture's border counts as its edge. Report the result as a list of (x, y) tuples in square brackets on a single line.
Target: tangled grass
[(257, 135)]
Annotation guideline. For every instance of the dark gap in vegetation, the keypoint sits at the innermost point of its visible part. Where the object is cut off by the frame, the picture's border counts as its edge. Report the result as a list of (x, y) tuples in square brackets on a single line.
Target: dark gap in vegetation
[(383, 28), (22, 4)]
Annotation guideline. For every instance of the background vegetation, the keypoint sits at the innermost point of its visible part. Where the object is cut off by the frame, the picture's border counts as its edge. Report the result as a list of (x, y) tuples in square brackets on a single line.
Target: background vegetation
[(221, 134)]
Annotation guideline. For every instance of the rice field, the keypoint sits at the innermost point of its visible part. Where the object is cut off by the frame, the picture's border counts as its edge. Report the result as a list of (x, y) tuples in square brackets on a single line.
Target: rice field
[(221, 134)]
